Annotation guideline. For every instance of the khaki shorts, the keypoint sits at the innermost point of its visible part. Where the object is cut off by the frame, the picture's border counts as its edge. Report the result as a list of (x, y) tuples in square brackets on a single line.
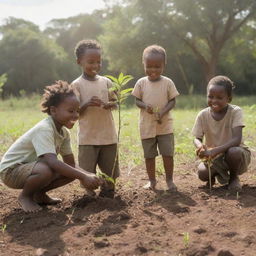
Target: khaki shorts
[(164, 143), (220, 166), (105, 156), (17, 175)]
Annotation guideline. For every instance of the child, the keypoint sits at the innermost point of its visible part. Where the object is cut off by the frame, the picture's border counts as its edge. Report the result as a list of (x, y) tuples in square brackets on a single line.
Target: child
[(97, 134), (155, 96), (31, 163), (221, 125)]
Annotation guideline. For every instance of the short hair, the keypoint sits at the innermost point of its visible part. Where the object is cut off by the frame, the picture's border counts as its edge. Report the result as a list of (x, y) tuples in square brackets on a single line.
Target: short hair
[(83, 45), (54, 94), (223, 81), (154, 49)]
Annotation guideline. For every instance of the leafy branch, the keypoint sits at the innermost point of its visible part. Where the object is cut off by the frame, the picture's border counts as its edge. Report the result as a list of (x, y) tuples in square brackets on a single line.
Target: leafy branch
[(121, 95)]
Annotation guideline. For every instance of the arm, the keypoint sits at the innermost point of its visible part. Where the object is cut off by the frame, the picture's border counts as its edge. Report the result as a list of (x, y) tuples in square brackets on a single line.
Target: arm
[(234, 142), (143, 105), (94, 101), (70, 160), (87, 179), (170, 105)]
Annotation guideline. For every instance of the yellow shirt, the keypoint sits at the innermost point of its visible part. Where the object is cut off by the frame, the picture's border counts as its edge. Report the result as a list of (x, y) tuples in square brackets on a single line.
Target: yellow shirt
[(158, 94), (96, 124)]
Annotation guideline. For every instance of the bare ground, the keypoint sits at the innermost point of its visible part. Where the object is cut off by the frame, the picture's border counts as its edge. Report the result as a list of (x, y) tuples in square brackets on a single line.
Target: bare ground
[(193, 222)]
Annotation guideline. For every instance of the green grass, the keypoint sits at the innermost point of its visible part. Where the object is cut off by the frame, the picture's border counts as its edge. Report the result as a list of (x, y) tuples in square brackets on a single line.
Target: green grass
[(18, 115)]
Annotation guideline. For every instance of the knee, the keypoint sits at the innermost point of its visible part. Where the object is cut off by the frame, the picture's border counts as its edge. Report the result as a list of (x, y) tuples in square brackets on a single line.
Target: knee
[(203, 173), (234, 154), (44, 171)]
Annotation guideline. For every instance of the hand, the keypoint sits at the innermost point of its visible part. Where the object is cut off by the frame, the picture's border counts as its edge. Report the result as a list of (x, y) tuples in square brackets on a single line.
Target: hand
[(91, 181), (200, 152), (207, 153), (158, 117), (95, 101), (110, 105), (149, 109)]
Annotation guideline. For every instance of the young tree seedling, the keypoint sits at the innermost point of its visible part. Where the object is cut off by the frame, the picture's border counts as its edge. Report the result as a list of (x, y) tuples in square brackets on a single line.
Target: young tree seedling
[(121, 95)]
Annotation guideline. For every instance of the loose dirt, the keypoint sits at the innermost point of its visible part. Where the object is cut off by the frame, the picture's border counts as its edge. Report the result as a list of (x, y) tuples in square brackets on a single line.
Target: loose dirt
[(193, 221)]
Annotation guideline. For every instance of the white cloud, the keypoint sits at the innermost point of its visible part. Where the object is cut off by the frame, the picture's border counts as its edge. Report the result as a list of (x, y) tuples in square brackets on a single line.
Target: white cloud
[(42, 11)]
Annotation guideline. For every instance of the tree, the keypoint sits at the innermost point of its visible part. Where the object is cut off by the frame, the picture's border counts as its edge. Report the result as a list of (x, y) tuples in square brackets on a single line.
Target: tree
[(186, 28), (29, 59), (205, 26)]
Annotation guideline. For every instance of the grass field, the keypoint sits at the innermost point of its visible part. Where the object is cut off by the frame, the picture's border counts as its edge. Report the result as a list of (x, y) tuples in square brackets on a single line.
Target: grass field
[(18, 115), (192, 221)]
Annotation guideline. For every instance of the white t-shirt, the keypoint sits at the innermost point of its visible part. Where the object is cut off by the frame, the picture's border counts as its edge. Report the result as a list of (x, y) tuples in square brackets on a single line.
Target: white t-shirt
[(158, 94), (217, 133), (96, 124), (43, 138)]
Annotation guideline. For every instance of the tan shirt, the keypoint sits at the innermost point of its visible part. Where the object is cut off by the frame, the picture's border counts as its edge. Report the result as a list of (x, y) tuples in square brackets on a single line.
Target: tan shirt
[(217, 133), (158, 94), (43, 138), (96, 124)]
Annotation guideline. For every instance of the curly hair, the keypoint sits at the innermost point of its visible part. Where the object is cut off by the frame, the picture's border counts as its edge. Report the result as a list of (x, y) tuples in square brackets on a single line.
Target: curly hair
[(223, 81), (54, 94), (86, 44), (154, 49)]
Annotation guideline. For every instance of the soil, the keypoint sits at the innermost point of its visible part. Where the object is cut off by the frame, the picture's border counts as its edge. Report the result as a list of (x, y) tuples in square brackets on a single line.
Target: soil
[(193, 221)]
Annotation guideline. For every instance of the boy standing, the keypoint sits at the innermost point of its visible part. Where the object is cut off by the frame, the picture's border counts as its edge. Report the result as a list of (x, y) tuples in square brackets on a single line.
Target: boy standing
[(97, 134), (155, 96)]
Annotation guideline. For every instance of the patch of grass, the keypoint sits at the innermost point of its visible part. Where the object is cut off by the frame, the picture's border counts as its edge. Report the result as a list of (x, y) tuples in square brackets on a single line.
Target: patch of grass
[(16, 120)]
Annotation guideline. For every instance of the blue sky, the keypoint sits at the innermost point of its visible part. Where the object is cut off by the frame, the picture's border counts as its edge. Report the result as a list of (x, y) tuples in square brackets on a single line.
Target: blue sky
[(42, 11)]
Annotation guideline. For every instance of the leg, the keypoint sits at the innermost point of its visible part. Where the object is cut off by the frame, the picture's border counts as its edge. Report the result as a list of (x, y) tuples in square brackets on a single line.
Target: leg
[(87, 160), (151, 171), (234, 157), (168, 167), (203, 174), (150, 153), (40, 177), (166, 147), (108, 164), (42, 198)]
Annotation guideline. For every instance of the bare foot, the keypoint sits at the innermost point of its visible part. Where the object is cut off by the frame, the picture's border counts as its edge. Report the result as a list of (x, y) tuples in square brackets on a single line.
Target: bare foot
[(28, 205), (235, 185), (43, 198), (150, 185), (171, 186)]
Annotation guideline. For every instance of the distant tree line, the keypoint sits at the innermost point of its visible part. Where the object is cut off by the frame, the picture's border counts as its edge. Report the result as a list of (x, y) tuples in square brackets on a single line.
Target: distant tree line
[(202, 38)]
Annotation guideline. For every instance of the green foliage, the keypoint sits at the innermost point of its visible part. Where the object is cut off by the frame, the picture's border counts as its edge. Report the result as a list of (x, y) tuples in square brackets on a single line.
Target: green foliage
[(121, 94), (30, 60), (186, 239), (105, 176), (3, 79), (118, 86)]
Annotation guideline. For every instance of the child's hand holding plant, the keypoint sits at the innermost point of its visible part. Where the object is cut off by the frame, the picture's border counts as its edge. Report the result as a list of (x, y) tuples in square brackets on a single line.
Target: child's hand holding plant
[(95, 101), (149, 109)]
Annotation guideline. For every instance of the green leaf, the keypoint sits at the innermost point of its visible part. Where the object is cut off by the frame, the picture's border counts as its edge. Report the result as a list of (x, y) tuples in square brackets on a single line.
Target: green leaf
[(112, 78), (126, 91)]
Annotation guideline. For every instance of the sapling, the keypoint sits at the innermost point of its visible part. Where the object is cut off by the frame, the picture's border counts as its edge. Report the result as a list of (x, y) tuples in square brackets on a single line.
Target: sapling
[(121, 95), (186, 239), (4, 226)]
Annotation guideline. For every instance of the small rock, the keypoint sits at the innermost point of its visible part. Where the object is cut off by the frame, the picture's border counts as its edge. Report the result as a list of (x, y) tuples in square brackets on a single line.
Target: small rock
[(102, 243), (199, 230), (40, 251), (225, 253)]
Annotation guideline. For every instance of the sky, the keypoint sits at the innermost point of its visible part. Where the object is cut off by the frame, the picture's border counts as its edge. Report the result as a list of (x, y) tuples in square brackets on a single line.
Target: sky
[(42, 11)]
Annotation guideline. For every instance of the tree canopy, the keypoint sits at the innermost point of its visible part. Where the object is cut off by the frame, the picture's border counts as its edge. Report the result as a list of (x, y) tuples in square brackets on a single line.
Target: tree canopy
[(202, 39)]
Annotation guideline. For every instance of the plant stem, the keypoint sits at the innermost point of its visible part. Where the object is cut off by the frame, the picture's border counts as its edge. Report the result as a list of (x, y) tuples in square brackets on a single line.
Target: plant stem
[(210, 174)]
